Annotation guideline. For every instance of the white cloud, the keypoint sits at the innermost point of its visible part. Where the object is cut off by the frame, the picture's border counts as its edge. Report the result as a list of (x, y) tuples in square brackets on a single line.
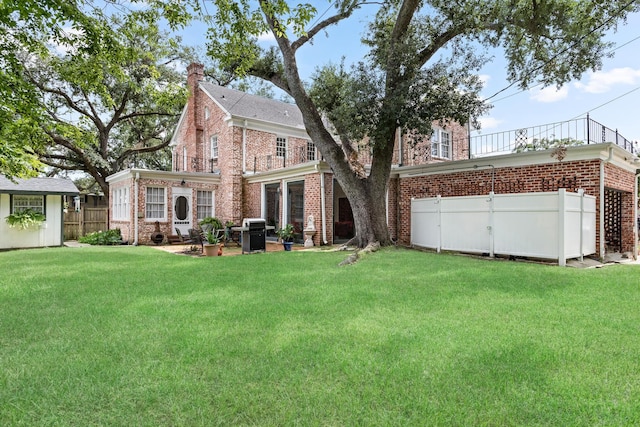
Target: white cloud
[(549, 94), (602, 81), (484, 78), (487, 123), (267, 36)]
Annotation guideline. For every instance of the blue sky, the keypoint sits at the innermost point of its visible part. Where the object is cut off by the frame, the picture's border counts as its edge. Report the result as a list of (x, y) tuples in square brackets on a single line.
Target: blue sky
[(610, 96)]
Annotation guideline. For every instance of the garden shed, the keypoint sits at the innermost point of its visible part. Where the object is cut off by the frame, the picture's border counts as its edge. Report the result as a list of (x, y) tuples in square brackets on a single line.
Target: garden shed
[(46, 196)]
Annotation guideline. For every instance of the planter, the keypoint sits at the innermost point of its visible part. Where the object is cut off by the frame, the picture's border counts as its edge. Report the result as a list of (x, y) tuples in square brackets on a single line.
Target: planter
[(287, 245), (211, 249)]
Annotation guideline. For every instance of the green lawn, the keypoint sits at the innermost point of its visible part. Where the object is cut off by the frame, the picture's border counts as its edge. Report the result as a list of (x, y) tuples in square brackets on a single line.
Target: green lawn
[(135, 336)]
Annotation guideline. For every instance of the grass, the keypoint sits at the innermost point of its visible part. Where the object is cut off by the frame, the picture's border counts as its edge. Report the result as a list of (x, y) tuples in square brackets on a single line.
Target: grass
[(136, 336)]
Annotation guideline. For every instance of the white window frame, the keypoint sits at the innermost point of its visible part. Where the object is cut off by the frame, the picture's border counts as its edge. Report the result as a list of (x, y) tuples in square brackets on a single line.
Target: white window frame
[(311, 151), (281, 146), (205, 208), (158, 201), (207, 114), (121, 204), (20, 202), (184, 158), (213, 145), (441, 144)]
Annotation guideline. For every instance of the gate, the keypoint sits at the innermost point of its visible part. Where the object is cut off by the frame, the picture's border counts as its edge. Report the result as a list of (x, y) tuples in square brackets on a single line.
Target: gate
[(85, 221), (613, 221)]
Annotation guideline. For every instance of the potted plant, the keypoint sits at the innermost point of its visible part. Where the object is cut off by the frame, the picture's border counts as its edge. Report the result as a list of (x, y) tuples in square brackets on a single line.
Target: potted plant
[(286, 235), (212, 246), (211, 223), (25, 219)]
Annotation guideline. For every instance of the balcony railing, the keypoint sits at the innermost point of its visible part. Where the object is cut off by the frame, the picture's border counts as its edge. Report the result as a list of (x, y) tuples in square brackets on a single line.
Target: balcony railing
[(288, 158), (573, 132), (195, 164)]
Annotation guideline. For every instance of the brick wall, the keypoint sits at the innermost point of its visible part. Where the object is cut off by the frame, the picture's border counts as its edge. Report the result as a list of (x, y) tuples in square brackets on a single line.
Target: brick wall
[(572, 175)]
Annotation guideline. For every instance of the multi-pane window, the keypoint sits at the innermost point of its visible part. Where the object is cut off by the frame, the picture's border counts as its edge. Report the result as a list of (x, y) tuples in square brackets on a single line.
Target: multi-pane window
[(441, 144), (214, 147), (121, 203), (204, 206), (156, 203), (281, 146), (23, 202), (311, 151)]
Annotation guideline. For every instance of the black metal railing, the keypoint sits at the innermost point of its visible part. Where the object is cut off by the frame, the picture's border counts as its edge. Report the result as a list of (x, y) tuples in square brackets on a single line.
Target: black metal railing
[(572, 132), (281, 160), (194, 164)]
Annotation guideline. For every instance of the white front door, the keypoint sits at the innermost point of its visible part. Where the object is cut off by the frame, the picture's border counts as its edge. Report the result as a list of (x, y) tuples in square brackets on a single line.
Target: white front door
[(182, 213)]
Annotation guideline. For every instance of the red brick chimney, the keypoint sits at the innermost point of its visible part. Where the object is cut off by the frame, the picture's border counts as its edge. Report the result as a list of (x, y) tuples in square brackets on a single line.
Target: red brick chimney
[(195, 117), (195, 74)]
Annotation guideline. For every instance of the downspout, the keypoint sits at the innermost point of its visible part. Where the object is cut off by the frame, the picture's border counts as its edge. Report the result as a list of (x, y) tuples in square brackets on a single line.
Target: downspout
[(323, 209), (635, 216), (400, 147), (601, 225), (135, 209), (244, 147)]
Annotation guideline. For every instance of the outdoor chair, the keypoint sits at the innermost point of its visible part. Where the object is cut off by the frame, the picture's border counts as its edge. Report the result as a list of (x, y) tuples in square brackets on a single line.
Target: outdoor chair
[(183, 239)]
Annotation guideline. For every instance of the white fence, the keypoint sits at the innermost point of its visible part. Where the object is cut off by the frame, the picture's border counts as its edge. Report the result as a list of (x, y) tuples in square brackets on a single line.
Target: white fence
[(556, 225)]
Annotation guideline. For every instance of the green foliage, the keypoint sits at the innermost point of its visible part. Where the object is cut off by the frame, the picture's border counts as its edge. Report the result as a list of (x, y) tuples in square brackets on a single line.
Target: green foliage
[(103, 336), (98, 98), (286, 233), (212, 237), (537, 144), (109, 237), (211, 223), (25, 219)]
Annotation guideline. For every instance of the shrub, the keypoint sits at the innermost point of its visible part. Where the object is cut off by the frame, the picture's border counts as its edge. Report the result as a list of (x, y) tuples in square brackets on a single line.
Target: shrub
[(109, 237)]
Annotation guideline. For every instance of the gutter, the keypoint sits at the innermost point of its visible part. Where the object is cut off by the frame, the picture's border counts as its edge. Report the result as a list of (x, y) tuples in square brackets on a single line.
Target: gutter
[(135, 209), (635, 216)]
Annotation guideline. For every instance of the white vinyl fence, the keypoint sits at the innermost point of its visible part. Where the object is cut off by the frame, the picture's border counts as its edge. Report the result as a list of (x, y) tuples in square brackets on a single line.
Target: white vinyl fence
[(555, 225)]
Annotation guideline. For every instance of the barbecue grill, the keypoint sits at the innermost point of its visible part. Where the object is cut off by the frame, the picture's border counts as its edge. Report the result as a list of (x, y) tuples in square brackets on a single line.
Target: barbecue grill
[(254, 235)]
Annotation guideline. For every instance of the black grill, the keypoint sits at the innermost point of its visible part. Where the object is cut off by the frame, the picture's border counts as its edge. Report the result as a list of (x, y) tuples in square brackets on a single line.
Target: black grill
[(254, 233)]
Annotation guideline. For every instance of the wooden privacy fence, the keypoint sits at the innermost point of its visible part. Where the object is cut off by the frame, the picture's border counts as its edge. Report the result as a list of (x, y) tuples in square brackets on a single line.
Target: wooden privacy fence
[(84, 221), (554, 225)]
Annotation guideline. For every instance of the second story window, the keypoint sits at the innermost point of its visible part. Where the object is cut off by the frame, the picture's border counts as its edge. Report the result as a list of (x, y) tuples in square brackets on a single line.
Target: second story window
[(311, 151), (441, 144), (281, 146), (214, 147), (206, 113)]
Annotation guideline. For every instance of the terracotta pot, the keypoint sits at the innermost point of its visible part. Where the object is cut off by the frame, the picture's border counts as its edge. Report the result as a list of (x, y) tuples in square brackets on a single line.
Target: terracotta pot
[(211, 249)]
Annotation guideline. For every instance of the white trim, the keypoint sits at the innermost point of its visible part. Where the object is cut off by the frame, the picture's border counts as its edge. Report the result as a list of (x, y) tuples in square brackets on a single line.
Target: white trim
[(146, 195), (195, 177), (621, 158)]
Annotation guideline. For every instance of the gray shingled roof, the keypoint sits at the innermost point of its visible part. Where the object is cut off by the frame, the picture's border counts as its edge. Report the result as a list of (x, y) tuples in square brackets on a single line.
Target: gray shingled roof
[(244, 105), (38, 186)]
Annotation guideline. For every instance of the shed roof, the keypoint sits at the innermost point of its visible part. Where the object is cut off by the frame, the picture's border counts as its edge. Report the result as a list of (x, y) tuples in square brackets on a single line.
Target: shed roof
[(61, 186), (244, 105)]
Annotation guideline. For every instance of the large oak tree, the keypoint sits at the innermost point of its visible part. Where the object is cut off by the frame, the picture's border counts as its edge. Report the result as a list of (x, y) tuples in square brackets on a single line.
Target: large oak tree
[(421, 66), (98, 92)]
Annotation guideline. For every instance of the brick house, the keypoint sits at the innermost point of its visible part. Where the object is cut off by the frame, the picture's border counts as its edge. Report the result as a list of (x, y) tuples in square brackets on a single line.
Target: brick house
[(237, 155)]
